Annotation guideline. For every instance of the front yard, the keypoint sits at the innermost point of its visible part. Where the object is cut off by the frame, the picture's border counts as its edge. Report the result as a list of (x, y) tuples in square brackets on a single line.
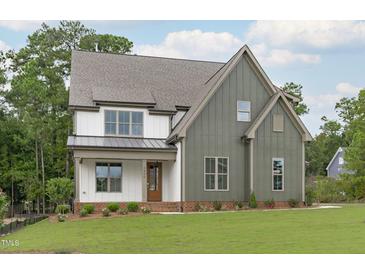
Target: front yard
[(332, 230)]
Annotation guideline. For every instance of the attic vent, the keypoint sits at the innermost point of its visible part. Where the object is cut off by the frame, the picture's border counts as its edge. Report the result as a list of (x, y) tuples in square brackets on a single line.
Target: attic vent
[(278, 123)]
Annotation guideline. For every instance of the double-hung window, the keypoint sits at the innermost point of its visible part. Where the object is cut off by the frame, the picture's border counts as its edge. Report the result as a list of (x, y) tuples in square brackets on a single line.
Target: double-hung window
[(277, 174), (216, 173), (108, 177), (125, 123), (243, 111)]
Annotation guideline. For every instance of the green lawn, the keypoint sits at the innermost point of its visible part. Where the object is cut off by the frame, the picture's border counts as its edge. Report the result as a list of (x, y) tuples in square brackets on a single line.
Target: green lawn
[(294, 231)]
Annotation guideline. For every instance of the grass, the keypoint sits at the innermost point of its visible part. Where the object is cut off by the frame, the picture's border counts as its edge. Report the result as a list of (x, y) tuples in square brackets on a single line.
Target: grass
[(293, 231)]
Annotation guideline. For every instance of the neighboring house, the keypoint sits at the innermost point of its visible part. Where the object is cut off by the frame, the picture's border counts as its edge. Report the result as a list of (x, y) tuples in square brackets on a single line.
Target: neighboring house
[(336, 165), (171, 132)]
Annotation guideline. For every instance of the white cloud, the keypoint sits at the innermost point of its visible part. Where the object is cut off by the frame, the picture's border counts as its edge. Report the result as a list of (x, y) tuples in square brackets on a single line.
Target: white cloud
[(4, 46), (194, 44), (346, 89), (318, 34), (20, 25), (282, 57)]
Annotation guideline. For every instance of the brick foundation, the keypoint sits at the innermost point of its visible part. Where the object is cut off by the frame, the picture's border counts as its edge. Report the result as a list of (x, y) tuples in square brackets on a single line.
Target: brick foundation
[(187, 206)]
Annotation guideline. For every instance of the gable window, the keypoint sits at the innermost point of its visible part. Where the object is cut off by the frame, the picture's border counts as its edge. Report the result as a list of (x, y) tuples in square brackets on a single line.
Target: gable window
[(108, 177), (243, 111), (278, 122), (341, 161), (216, 173), (125, 123), (277, 174)]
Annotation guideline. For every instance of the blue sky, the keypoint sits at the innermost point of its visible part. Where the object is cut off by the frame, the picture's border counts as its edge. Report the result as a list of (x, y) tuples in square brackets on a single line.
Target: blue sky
[(326, 57)]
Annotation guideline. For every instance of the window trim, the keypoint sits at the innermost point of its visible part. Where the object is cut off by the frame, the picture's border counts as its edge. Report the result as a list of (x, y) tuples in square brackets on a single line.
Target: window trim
[(216, 173), (243, 111), (108, 178), (130, 123), (272, 174)]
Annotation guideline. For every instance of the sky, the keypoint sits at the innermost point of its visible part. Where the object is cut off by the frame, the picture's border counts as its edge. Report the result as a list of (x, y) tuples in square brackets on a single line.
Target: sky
[(326, 57)]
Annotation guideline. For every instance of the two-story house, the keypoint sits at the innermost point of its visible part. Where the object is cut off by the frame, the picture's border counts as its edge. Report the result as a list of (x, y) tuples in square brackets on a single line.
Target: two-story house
[(169, 133)]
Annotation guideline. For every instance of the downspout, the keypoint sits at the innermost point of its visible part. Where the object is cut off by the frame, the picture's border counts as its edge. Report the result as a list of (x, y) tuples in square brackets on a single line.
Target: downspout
[(182, 171)]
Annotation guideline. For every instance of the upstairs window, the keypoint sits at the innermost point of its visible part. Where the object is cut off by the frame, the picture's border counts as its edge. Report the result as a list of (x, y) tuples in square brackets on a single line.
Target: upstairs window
[(243, 111), (124, 123), (216, 173), (277, 174)]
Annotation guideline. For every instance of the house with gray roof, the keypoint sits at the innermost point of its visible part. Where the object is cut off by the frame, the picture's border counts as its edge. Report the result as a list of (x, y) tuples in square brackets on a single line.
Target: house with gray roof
[(169, 133)]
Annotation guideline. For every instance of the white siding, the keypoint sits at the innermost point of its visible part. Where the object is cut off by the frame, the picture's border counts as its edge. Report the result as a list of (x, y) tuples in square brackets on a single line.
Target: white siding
[(171, 178), (92, 123), (131, 182)]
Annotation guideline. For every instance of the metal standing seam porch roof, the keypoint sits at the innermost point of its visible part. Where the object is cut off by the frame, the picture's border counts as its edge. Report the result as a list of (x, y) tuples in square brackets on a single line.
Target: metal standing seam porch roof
[(118, 143)]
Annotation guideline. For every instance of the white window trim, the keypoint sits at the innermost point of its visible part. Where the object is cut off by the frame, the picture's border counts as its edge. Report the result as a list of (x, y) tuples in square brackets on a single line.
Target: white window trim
[(238, 111), (108, 178), (117, 123), (216, 173), (272, 174)]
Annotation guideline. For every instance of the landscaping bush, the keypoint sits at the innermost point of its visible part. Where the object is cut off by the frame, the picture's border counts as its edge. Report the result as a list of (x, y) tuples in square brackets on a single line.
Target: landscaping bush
[(122, 211), (293, 203), (59, 190), (61, 217), (89, 208), (238, 205), (132, 206), (63, 209), (328, 190), (3, 207), (113, 207), (217, 205), (252, 202), (309, 194), (83, 213), (106, 212), (145, 210), (197, 207), (269, 203)]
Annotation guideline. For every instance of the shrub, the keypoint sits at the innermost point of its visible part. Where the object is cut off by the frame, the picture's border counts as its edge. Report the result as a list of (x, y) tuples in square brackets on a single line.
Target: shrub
[(252, 202), (328, 190), (293, 202), (61, 217), (3, 207), (309, 195), (238, 204), (122, 211), (59, 190), (217, 205), (113, 207), (83, 213), (197, 207), (132, 206), (89, 208), (62, 209), (145, 210), (106, 212), (269, 203)]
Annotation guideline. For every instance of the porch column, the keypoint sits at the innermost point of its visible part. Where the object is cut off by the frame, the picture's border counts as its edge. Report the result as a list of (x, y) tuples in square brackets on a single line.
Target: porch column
[(144, 180)]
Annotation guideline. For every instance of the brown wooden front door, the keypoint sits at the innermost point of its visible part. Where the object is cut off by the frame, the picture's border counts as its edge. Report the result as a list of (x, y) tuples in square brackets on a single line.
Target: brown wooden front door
[(154, 182)]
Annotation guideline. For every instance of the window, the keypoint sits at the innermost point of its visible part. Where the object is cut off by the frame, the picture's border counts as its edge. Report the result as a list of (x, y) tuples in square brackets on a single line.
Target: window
[(216, 173), (340, 161), (108, 177), (278, 122), (277, 174), (243, 111), (126, 123)]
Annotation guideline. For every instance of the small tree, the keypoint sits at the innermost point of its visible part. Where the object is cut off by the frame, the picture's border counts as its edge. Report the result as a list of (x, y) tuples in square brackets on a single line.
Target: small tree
[(252, 202), (59, 190), (3, 207)]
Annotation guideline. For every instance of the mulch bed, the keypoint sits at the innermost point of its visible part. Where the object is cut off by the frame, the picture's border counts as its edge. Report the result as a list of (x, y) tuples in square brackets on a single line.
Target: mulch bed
[(75, 217)]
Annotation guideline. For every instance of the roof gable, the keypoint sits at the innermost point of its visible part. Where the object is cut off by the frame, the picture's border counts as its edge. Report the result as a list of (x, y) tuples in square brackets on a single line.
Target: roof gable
[(339, 150)]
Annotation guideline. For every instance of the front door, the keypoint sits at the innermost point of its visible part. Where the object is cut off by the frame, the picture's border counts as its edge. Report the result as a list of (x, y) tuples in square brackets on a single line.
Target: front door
[(154, 181)]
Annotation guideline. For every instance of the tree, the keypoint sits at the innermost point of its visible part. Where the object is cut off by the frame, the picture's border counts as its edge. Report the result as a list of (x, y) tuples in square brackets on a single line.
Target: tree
[(3, 206), (59, 190), (296, 90), (106, 43)]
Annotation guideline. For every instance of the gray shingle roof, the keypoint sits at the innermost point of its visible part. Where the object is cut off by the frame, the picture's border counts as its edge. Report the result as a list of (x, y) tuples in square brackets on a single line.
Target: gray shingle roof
[(164, 82), (118, 143)]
